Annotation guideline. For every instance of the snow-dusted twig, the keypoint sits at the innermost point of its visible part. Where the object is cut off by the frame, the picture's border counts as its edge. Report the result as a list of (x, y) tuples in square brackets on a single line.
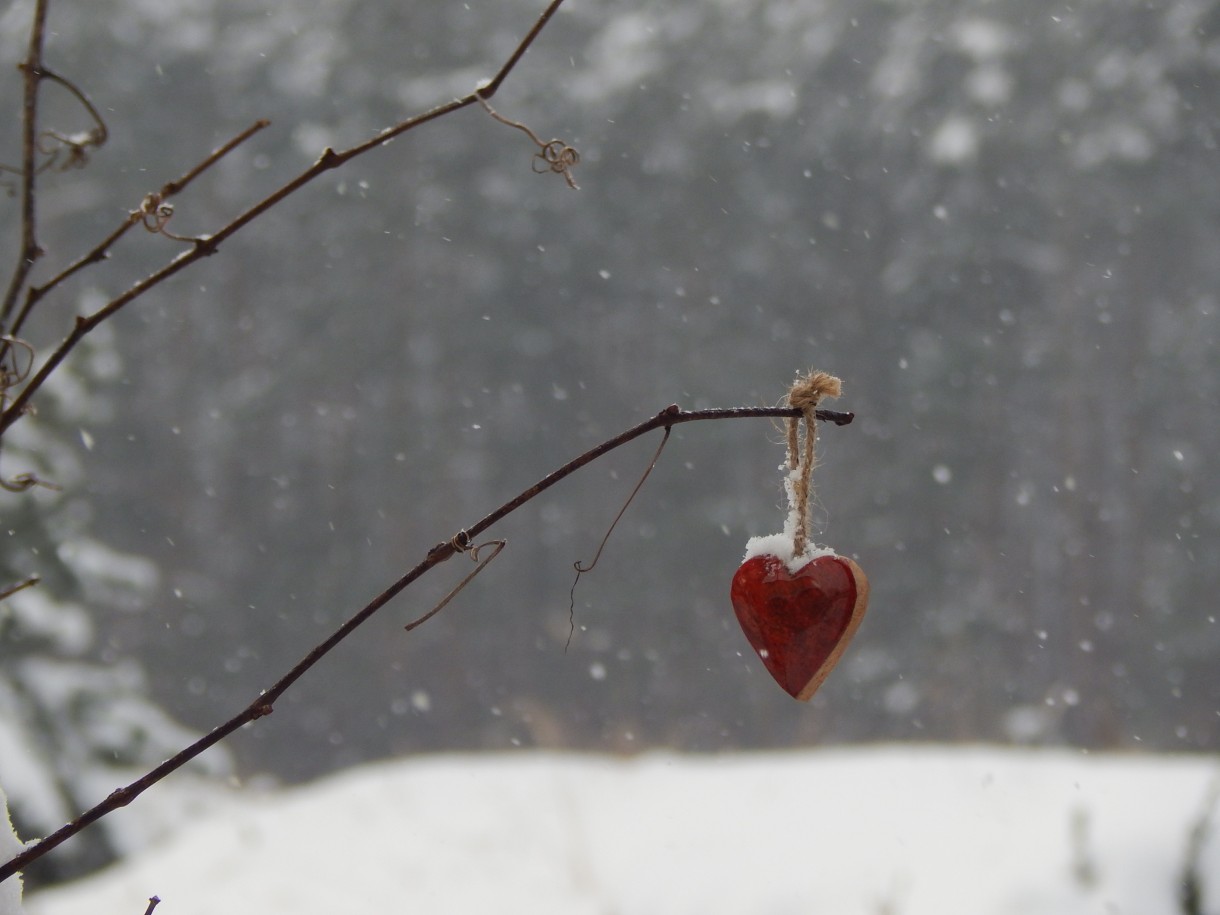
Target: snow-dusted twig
[(264, 704)]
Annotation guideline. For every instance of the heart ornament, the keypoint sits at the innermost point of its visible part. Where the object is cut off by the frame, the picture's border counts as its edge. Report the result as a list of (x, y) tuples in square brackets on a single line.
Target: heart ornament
[(799, 605), (800, 620)]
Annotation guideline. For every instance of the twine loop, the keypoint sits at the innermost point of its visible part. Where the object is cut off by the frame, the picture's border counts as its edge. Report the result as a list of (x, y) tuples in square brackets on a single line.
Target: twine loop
[(805, 395)]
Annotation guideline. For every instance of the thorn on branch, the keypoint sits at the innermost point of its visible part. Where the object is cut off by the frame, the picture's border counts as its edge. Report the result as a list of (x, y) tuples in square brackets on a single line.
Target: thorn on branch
[(555, 156)]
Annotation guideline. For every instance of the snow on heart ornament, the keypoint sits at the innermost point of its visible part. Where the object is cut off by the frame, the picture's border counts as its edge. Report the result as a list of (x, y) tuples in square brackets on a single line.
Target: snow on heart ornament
[(798, 604)]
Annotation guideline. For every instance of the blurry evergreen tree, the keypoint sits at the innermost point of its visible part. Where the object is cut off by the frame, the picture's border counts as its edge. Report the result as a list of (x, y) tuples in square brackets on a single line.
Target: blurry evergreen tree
[(76, 717)]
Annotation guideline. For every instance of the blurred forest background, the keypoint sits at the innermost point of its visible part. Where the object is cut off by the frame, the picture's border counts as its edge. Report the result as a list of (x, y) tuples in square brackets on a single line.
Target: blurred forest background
[(997, 222)]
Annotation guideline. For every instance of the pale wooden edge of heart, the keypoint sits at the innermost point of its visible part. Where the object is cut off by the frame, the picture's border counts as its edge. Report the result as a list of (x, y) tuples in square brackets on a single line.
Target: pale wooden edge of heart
[(857, 614)]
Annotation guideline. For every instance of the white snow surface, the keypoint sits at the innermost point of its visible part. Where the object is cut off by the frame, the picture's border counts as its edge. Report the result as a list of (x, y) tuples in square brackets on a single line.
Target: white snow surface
[(782, 548), (783, 545), (913, 830)]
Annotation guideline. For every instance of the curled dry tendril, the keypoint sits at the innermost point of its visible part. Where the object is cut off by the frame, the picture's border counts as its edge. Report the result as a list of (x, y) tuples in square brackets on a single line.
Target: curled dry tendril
[(154, 214), (582, 568), (461, 542), (65, 151), (16, 363), (555, 156)]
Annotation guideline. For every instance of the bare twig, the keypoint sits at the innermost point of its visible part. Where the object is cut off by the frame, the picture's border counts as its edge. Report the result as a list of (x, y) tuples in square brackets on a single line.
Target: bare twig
[(101, 251), (31, 68), (206, 245), (10, 590), (264, 704)]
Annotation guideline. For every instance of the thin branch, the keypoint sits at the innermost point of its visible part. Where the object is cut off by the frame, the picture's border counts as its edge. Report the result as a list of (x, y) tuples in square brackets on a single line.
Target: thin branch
[(474, 551), (179, 185), (31, 69), (206, 245), (102, 250), (264, 704), (10, 590), (490, 89)]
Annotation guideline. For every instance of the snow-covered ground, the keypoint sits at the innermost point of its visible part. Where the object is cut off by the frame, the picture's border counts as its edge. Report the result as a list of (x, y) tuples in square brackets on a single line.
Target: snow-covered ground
[(898, 829)]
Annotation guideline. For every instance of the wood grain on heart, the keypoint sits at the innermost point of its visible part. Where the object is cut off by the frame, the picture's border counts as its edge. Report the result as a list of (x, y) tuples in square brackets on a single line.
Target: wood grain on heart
[(799, 622)]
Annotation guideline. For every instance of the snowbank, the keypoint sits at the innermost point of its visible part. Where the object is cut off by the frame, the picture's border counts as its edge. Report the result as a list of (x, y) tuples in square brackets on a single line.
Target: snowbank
[(891, 829)]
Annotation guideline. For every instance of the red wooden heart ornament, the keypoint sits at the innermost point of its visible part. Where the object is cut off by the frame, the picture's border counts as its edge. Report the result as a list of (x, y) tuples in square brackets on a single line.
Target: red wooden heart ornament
[(799, 622)]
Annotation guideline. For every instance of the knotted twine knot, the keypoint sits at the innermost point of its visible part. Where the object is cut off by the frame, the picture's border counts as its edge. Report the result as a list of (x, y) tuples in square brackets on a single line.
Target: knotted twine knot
[(805, 395)]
